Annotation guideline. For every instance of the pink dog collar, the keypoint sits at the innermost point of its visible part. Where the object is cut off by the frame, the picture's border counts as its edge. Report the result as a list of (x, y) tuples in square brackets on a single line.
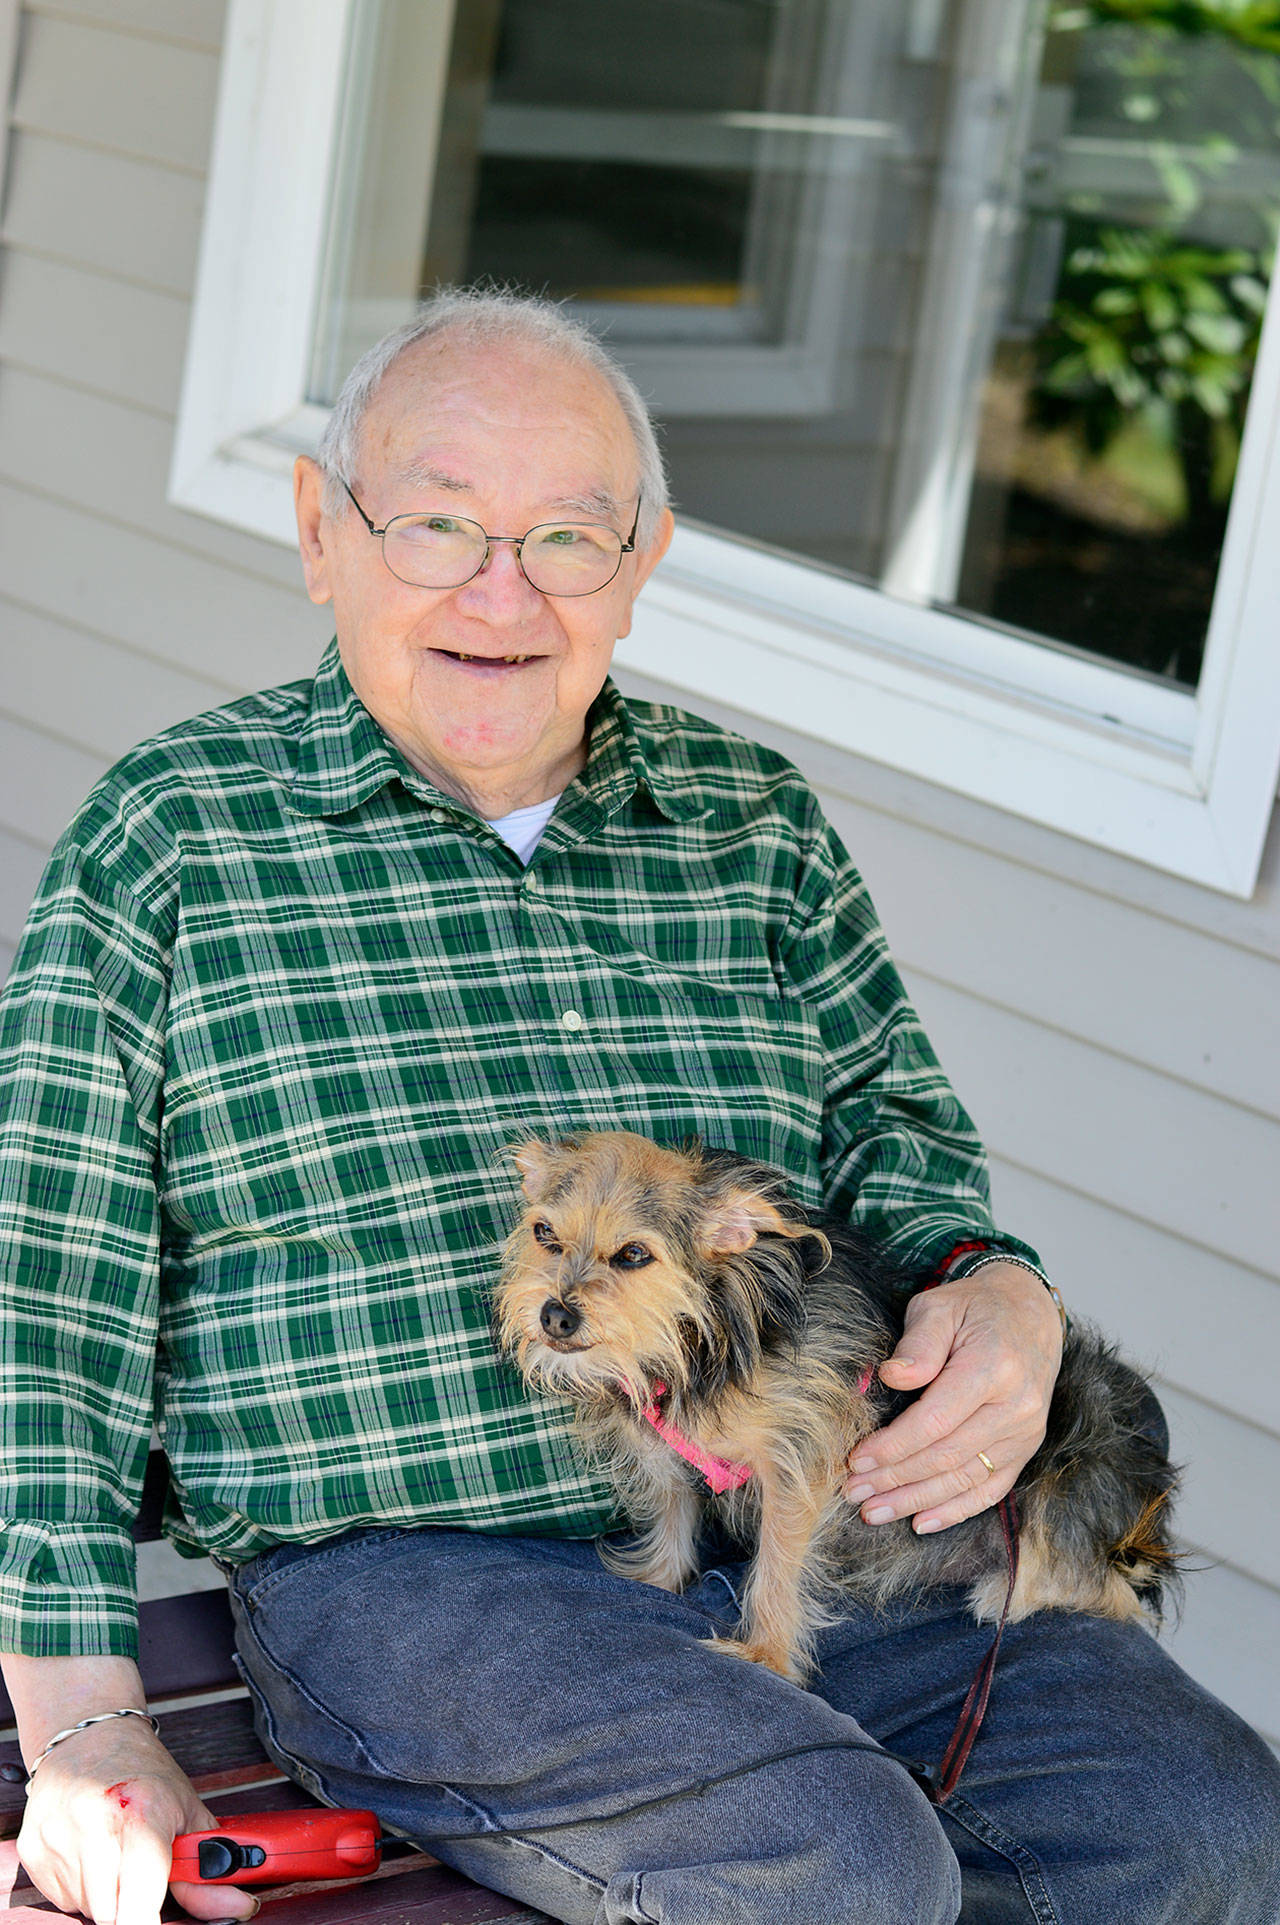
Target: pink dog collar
[(718, 1471)]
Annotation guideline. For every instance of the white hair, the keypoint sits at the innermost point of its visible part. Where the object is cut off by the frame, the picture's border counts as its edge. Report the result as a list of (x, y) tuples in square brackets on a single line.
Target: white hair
[(490, 317)]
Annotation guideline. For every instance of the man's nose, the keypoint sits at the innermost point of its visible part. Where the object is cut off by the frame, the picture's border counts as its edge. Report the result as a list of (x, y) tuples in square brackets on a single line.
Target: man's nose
[(559, 1320), (501, 582)]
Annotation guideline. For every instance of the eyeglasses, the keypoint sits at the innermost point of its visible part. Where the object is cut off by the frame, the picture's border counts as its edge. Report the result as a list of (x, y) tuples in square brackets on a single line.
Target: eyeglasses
[(556, 557)]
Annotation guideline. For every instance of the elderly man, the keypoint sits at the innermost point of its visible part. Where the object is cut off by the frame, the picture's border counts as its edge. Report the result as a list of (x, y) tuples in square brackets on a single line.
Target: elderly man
[(298, 971)]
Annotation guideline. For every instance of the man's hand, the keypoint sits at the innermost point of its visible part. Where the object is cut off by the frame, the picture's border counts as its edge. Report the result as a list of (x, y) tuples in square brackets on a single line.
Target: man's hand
[(104, 1809), (988, 1347)]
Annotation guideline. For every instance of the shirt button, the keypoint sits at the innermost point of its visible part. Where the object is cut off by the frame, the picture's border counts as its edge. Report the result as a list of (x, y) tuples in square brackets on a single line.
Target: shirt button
[(439, 815), (571, 1019), (531, 881)]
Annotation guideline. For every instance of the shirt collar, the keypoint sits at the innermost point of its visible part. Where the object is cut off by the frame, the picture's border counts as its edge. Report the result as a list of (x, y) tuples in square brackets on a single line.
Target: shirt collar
[(624, 756), (344, 758)]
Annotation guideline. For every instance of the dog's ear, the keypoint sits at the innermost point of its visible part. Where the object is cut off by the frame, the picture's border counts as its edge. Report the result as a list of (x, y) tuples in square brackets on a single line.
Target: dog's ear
[(734, 1219), (536, 1162)]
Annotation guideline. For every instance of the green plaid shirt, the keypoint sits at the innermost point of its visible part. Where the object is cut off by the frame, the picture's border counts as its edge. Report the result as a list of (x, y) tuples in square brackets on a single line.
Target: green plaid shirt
[(280, 1005)]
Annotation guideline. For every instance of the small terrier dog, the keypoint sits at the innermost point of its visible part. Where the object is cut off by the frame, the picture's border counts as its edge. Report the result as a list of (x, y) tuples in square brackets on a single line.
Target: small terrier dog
[(711, 1332)]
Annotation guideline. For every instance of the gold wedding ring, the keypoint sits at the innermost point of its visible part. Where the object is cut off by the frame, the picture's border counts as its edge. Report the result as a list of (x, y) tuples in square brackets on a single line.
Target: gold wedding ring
[(984, 1459)]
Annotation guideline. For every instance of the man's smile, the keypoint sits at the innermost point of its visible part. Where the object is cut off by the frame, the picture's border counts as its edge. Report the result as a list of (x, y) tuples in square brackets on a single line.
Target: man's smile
[(487, 663)]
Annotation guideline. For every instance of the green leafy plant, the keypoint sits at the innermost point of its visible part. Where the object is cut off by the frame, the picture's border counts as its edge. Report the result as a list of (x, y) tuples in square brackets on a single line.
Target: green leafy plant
[(1151, 325), (1252, 23), (1154, 327)]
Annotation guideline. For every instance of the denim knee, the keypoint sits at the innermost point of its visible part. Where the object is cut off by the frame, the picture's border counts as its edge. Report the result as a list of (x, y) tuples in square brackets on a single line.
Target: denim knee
[(1225, 1838), (838, 1848), (1192, 1831)]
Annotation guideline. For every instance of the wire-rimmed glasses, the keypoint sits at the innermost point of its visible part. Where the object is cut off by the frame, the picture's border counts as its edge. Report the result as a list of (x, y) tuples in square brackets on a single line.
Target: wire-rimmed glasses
[(441, 550)]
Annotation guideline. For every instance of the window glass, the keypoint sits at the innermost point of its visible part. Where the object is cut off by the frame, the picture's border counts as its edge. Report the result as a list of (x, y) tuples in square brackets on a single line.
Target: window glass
[(960, 297)]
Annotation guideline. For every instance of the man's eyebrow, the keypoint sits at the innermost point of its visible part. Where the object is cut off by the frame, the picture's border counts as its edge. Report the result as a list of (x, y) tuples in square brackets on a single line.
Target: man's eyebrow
[(594, 503), (424, 474)]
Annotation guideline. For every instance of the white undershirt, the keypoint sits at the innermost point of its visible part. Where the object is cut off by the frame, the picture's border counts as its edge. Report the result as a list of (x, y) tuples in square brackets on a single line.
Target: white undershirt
[(523, 828)]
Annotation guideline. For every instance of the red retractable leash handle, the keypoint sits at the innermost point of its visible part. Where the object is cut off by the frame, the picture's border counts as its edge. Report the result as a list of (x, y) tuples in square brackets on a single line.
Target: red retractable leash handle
[(277, 1847)]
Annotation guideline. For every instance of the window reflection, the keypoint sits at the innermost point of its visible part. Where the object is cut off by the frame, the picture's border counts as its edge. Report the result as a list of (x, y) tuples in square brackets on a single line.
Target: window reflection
[(582, 186), (1112, 415)]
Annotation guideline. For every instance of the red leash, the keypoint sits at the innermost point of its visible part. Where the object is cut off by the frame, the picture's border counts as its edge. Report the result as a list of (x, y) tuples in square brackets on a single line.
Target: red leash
[(956, 1756)]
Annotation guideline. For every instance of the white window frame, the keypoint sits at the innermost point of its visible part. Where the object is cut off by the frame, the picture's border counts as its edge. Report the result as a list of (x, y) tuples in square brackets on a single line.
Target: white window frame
[(1183, 782)]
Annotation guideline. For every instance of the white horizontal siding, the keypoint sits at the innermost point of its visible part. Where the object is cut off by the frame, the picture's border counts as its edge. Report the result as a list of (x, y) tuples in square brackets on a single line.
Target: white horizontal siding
[(119, 471), (148, 98), (163, 1572), (10, 25), (127, 218), (193, 23), (958, 821), (1108, 1127), (1207, 1326), (42, 781), (108, 335), (118, 613), (164, 601), (1112, 1029), (1096, 968), (21, 861), (1227, 1637), (1231, 1472), (96, 693)]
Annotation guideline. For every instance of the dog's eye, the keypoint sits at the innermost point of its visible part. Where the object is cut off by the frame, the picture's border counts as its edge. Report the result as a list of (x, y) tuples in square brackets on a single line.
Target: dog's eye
[(632, 1256), (545, 1235)]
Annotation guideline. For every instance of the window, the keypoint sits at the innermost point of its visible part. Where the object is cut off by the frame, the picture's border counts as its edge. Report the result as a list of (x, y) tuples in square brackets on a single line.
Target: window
[(954, 316)]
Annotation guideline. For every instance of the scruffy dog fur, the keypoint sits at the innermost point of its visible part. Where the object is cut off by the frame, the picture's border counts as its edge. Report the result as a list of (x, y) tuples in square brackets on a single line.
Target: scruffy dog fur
[(635, 1265)]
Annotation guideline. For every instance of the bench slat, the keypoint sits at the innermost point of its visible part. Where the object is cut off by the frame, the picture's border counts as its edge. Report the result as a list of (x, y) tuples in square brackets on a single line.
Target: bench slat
[(432, 1896), (423, 1894), (185, 1644)]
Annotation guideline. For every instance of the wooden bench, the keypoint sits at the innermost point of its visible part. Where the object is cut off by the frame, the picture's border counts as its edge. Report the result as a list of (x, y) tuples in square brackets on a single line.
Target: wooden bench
[(206, 1722)]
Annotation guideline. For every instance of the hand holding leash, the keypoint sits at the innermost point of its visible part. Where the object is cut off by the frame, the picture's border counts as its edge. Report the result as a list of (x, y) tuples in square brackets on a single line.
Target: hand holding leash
[(103, 1808), (988, 1348)]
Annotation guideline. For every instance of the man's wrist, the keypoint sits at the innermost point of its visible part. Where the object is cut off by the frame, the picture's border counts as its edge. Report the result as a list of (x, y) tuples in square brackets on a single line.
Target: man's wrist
[(85, 1724), (967, 1259), (49, 1694)]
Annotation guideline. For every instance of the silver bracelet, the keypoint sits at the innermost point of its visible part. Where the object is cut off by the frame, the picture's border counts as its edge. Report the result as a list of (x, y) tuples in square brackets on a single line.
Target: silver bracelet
[(99, 1717), (969, 1267)]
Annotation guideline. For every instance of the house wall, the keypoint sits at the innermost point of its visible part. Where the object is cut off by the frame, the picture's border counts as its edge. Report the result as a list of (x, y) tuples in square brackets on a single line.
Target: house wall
[(1113, 1030)]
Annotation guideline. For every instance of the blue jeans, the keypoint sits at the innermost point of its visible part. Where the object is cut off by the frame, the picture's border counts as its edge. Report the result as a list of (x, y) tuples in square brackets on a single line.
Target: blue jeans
[(548, 1729)]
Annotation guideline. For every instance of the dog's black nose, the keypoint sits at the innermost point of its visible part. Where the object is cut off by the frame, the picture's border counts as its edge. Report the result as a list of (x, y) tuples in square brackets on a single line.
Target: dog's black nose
[(559, 1319)]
